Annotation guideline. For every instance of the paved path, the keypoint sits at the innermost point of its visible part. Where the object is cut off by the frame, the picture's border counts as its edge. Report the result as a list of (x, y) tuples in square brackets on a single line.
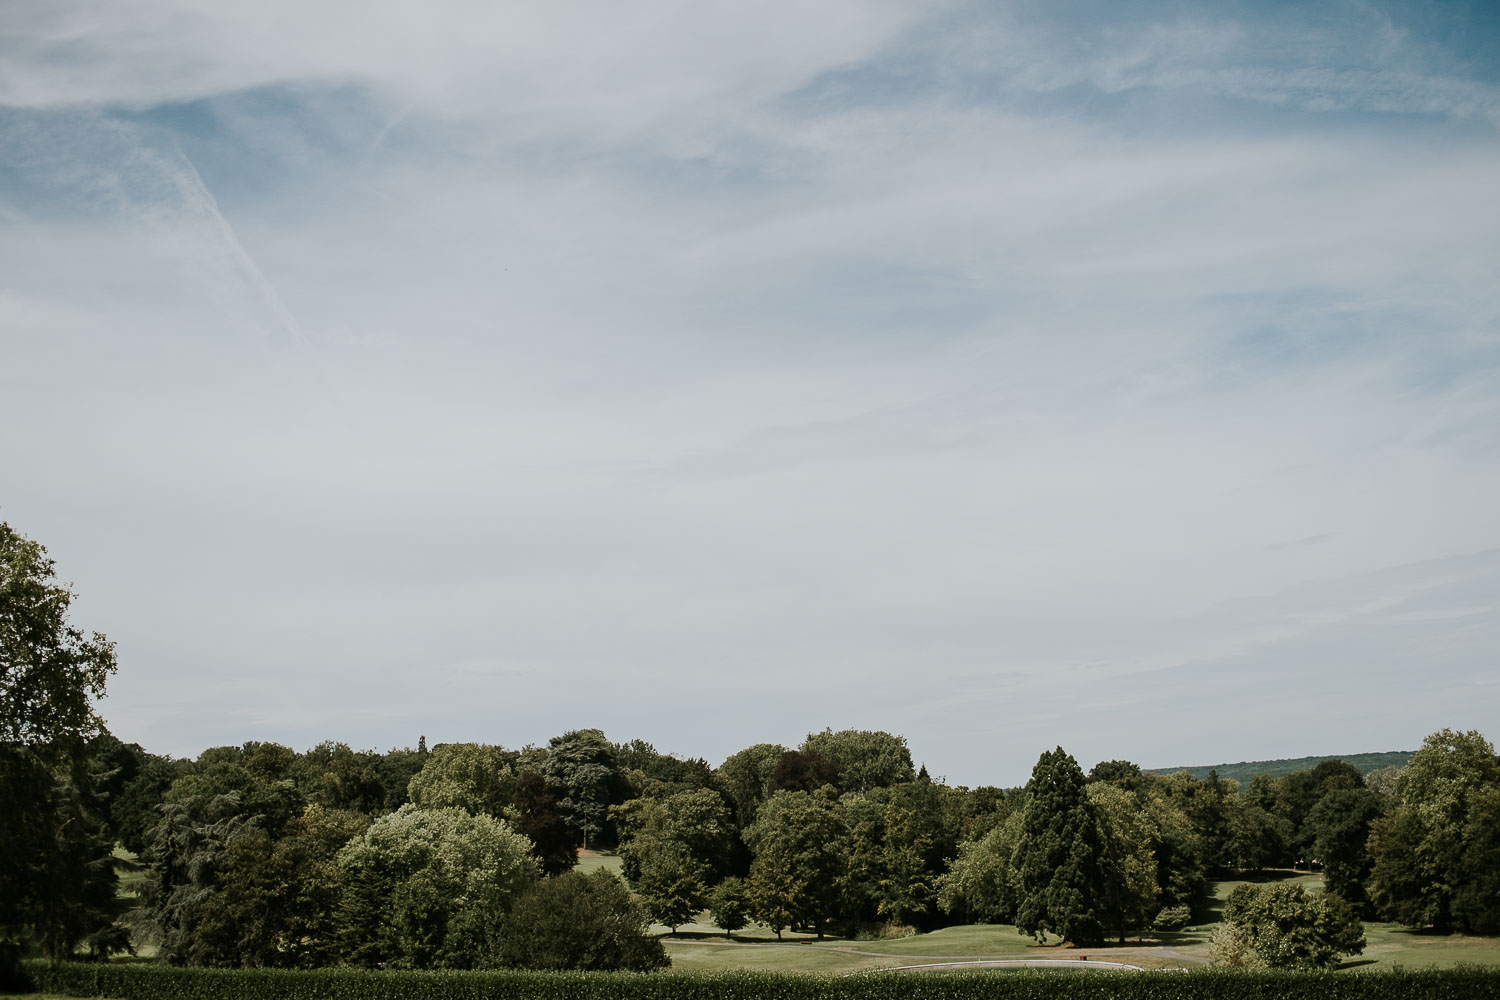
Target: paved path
[(1032, 963)]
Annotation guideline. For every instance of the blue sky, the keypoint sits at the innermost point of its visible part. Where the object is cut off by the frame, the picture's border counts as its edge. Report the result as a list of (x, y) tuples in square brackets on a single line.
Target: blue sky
[(1122, 376)]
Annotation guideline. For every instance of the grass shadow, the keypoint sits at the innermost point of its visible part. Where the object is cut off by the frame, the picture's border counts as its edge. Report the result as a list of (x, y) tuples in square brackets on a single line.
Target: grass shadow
[(1172, 939)]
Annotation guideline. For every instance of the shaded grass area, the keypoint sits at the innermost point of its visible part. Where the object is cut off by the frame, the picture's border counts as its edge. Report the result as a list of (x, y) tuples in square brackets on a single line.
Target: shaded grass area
[(589, 861)]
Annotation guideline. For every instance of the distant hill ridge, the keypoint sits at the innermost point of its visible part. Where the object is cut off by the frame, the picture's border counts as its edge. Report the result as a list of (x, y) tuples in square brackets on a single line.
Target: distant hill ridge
[(1245, 770)]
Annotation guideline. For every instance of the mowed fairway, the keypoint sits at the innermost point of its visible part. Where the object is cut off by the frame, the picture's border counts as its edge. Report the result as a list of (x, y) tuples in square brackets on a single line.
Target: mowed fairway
[(702, 947), (755, 949)]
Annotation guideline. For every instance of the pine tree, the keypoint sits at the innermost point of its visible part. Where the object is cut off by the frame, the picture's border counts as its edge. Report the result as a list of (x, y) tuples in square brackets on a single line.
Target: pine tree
[(1060, 855)]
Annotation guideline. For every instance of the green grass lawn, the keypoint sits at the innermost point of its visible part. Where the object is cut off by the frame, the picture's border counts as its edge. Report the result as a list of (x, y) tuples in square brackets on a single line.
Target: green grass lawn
[(588, 861), (703, 947)]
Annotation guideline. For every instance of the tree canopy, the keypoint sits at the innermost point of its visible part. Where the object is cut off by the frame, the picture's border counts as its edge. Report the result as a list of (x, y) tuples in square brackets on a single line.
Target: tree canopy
[(57, 879)]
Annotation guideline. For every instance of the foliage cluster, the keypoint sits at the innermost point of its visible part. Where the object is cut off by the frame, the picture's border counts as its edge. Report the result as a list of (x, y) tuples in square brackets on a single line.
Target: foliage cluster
[(1284, 927)]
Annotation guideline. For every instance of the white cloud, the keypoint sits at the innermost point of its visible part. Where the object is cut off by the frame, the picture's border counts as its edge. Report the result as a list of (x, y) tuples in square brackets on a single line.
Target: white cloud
[(609, 355)]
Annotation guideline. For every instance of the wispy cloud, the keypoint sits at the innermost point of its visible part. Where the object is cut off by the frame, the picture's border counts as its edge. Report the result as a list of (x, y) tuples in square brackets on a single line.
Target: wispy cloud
[(1069, 362)]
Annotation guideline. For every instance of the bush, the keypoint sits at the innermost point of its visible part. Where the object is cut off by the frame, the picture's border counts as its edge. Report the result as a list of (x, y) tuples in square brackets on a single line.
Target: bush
[(1283, 927), (158, 982), (577, 921)]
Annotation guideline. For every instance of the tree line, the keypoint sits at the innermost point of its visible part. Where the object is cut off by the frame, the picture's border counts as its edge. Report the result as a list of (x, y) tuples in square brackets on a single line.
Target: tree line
[(463, 855)]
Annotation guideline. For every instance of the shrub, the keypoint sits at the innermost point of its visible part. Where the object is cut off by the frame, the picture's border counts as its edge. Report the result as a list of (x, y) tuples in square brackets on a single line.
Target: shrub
[(577, 921), (1283, 927), (157, 982)]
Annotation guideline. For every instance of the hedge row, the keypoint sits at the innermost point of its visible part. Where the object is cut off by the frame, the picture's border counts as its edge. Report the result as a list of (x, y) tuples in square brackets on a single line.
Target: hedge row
[(159, 982)]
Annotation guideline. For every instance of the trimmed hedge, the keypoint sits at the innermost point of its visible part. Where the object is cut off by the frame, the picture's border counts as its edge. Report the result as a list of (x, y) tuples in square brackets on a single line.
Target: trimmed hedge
[(161, 982)]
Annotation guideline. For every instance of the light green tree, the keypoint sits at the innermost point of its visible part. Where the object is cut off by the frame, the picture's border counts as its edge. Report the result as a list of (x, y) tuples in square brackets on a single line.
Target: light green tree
[(469, 776), (729, 905), (697, 823), (777, 892), (1131, 895), (424, 888), (982, 884), (671, 883), (1282, 926), (806, 834), (1422, 847)]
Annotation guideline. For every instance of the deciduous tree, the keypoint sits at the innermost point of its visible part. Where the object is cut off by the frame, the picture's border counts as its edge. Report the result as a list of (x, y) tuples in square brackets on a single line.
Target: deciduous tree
[(50, 672), (866, 759), (423, 888), (578, 921), (1422, 848), (470, 776), (729, 905), (806, 836)]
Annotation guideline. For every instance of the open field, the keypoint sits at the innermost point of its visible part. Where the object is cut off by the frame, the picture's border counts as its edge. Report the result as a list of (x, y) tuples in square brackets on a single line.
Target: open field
[(703, 948)]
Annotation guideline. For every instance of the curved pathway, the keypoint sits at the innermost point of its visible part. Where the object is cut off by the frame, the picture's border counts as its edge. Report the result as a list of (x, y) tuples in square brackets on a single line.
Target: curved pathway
[(1030, 963)]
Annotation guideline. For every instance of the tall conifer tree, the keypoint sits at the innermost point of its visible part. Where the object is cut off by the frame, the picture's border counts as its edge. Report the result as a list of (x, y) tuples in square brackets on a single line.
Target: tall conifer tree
[(1060, 855)]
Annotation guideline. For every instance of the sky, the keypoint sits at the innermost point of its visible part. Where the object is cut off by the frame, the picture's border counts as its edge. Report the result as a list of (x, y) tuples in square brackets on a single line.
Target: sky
[(1115, 375)]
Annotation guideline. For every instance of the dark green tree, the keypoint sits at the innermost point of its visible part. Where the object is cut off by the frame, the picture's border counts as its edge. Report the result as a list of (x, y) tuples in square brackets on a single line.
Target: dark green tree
[(748, 775), (663, 774), (578, 921), (672, 884), (186, 857), (866, 759), (804, 771), (582, 773), (1060, 857), (396, 768), (534, 814), (1476, 903), (1340, 828), (1124, 773), (916, 848), (51, 869), (276, 902), (336, 777)]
